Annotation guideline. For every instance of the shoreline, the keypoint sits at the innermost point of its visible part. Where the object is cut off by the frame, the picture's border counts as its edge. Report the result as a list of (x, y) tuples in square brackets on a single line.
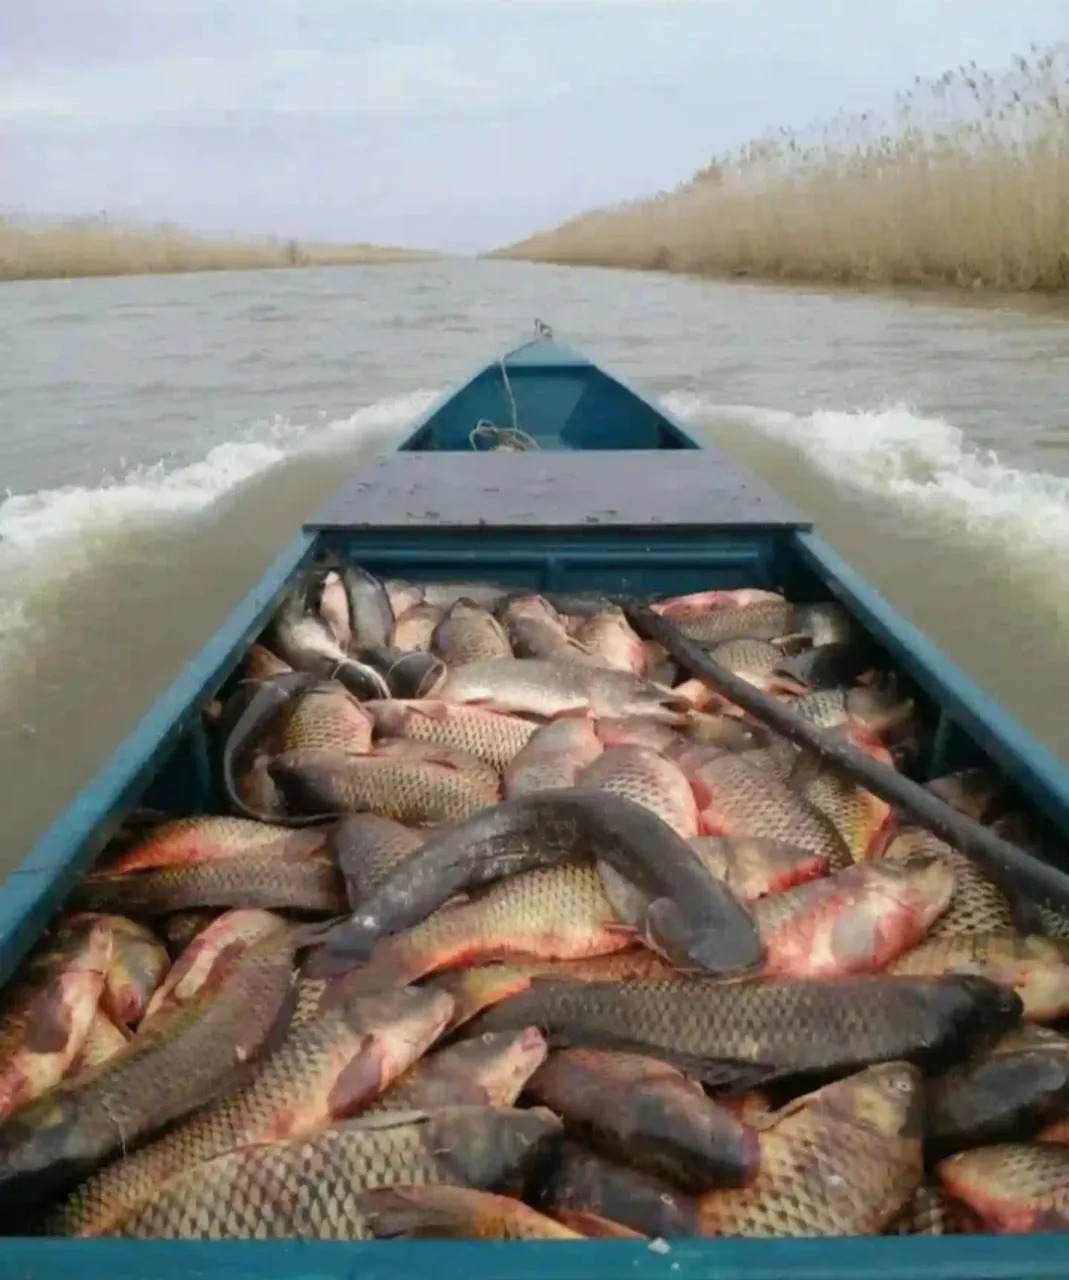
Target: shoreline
[(964, 189), (978, 293), (147, 272), (96, 248)]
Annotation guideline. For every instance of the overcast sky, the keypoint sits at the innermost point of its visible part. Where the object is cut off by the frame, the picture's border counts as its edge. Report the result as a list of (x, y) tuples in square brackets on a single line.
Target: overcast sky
[(454, 124)]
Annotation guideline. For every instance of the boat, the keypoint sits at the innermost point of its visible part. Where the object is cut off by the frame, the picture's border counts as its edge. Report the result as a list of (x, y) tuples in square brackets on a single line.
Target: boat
[(562, 478)]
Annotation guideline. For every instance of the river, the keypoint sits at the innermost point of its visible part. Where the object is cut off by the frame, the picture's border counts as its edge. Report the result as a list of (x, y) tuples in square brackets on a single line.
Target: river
[(163, 436)]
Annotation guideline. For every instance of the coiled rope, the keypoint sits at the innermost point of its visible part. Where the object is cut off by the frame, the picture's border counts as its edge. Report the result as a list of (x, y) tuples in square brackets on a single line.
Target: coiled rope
[(513, 438)]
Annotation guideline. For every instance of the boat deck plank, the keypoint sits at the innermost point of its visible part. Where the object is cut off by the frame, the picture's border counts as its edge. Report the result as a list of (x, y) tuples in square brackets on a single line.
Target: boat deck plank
[(507, 490)]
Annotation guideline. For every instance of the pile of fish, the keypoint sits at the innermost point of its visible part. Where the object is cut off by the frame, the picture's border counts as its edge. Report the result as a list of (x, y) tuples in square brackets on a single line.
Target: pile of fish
[(504, 926)]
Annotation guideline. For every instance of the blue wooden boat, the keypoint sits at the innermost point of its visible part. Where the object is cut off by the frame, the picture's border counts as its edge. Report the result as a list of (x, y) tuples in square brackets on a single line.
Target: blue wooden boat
[(560, 477)]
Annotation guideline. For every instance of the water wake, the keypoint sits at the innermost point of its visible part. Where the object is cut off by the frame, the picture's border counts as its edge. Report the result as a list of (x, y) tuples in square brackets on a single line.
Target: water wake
[(926, 466), (52, 535)]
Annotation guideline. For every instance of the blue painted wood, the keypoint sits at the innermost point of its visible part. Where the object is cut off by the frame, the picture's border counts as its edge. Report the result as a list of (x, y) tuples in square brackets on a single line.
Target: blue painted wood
[(31, 894), (638, 565), (558, 397), (886, 1258), (705, 492)]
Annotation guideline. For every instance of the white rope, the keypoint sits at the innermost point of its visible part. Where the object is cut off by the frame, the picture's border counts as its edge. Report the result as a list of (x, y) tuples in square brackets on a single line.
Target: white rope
[(505, 438), (514, 437), (508, 438)]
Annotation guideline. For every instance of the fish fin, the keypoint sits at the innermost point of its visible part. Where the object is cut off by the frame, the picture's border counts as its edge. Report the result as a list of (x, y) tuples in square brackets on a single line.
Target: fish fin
[(360, 1080), (343, 942), (315, 933), (628, 902), (431, 708), (792, 645), (400, 1211), (596, 1227), (728, 1076)]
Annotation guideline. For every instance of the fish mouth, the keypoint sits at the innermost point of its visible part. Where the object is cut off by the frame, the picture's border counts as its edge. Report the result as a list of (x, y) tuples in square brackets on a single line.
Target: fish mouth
[(530, 1040)]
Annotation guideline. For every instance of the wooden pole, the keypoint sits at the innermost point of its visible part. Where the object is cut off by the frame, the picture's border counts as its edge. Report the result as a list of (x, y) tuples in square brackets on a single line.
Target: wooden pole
[(1013, 868)]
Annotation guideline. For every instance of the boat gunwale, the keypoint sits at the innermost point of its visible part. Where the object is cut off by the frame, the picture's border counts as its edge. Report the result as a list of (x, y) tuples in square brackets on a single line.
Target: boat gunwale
[(1041, 777), (950, 1257), (63, 853)]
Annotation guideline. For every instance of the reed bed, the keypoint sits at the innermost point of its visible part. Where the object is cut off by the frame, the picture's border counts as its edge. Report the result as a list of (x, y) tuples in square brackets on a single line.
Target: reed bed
[(98, 246), (967, 185)]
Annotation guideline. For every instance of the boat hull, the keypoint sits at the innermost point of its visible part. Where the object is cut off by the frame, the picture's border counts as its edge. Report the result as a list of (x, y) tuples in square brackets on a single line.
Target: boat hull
[(528, 521)]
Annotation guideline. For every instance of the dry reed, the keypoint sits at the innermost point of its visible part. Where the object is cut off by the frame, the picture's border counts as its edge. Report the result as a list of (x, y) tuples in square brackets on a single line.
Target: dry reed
[(98, 246), (967, 185)]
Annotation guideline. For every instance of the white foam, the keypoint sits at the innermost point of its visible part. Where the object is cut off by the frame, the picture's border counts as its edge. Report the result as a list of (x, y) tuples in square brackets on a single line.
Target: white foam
[(53, 533), (925, 464)]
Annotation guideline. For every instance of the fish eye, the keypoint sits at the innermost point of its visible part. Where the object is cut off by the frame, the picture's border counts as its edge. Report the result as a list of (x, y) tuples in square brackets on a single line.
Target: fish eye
[(487, 1037)]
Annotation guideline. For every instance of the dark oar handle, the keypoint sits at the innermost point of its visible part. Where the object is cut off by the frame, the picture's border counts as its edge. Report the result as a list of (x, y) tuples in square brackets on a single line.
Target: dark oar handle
[(1012, 867)]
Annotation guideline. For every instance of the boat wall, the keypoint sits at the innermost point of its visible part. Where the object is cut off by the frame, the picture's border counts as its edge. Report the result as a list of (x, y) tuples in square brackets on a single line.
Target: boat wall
[(972, 725), (623, 562), (1037, 1257), (556, 397), (168, 741)]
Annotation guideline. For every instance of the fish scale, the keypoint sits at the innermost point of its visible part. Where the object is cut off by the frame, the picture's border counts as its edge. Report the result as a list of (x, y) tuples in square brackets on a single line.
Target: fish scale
[(978, 905), (328, 716), (415, 627), (308, 1187), (856, 814), (856, 921), (367, 848), (739, 799), (839, 1165), (491, 736), (469, 633), (766, 620), (205, 839), (1034, 966), (730, 1032), (926, 1215), (557, 913), (165, 1072), (266, 1194), (292, 1093), (610, 638), (308, 882), (641, 775), (47, 1012), (1010, 1187), (480, 986), (411, 789)]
